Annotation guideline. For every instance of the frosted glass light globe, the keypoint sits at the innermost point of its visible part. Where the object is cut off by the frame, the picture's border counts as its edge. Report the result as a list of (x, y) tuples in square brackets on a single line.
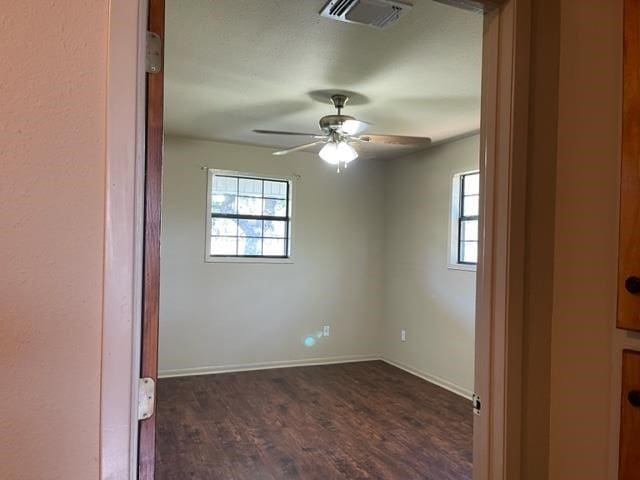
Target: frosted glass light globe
[(335, 153)]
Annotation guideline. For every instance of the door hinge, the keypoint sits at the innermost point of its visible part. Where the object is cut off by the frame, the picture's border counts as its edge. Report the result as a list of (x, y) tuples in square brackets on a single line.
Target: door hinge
[(153, 57), (146, 397), (477, 404)]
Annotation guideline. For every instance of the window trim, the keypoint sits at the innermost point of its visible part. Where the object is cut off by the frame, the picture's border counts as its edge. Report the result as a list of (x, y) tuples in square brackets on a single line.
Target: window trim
[(455, 223), (208, 258)]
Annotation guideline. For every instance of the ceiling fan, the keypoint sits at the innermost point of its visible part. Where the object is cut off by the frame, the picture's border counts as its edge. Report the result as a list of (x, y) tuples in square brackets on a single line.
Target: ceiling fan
[(341, 132)]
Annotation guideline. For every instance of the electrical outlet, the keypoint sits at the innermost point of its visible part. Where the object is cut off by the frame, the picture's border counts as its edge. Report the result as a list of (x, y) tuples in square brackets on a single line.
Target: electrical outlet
[(326, 330), (403, 335)]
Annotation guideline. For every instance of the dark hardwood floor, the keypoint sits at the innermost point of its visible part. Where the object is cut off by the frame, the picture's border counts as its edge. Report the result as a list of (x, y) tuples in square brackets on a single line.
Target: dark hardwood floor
[(348, 421)]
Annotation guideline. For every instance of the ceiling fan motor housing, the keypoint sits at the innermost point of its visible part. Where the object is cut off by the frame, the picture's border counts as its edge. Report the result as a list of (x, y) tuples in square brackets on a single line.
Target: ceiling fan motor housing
[(330, 123)]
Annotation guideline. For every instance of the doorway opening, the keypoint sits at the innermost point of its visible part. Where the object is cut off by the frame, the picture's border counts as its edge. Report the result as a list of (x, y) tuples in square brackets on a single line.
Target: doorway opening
[(304, 291), (502, 177)]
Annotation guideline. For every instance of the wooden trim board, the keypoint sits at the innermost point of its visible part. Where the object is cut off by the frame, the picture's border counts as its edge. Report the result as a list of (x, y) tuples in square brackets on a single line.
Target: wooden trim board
[(629, 466), (629, 245), (151, 266)]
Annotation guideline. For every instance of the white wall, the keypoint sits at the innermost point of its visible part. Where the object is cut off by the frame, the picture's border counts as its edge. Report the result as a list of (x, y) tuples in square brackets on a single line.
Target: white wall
[(370, 249), (52, 190), (434, 304), (215, 315)]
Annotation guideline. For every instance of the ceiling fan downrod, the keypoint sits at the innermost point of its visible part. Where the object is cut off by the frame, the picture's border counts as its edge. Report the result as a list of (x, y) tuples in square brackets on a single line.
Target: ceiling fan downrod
[(339, 101)]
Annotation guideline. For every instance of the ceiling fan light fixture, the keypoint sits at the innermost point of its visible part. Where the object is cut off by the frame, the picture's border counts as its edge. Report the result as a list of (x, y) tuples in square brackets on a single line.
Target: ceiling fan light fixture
[(338, 152)]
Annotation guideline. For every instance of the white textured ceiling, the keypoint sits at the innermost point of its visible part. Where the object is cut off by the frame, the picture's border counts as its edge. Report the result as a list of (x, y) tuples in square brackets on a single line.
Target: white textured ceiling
[(237, 65)]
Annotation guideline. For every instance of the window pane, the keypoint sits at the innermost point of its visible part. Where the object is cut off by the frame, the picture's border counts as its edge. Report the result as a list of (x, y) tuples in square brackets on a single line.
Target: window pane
[(238, 205), (223, 246), (250, 246), (250, 187), (469, 252), (224, 227), (222, 203), (275, 228), (249, 228), (470, 206), (469, 230), (249, 206), (472, 184), (276, 208), (228, 185), (273, 247), (275, 189)]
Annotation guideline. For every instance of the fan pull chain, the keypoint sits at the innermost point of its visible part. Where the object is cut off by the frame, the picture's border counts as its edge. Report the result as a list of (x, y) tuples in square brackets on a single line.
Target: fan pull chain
[(345, 165)]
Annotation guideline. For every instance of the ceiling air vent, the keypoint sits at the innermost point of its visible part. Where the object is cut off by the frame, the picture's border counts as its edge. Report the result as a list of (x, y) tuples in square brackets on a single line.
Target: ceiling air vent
[(373, 13)]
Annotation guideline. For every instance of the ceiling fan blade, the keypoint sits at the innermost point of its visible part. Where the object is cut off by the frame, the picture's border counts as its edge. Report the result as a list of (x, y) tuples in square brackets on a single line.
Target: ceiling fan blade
[(353, 127), (396, 140), (295, 149), (277, 132)]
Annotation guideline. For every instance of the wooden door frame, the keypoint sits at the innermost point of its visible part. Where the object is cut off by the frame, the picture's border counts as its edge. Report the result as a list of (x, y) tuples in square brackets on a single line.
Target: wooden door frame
[(151, 244), (499, 315), (625, 338)]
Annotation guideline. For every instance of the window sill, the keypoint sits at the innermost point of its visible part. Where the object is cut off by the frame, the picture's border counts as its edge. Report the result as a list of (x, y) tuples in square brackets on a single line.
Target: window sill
[(247, 260), (464, 268)]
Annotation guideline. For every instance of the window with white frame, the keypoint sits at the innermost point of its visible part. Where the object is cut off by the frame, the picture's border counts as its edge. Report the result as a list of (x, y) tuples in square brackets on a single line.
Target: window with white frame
[(464, 219), (249, 216)]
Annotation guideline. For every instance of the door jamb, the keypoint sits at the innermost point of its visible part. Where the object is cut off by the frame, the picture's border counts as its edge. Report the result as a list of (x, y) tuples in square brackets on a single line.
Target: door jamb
[(124, 214), (499, 299), (500, 275)]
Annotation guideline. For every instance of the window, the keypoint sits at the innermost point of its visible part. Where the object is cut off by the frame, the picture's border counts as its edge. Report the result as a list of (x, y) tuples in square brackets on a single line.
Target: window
[(249, 216), (464, 219)]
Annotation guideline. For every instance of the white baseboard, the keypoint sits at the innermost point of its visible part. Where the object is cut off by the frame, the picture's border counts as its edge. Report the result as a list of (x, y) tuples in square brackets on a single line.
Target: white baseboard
[(441, 382), (208, 370)]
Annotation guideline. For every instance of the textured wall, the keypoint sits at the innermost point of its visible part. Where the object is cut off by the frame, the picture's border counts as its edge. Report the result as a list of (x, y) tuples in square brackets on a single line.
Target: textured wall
[(236, 314), (53, 59), (434, 304), (584, 293)]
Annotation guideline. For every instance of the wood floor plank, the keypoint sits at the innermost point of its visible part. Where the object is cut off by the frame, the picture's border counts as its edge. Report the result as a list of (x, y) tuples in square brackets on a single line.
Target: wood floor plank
[(366, 420)]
